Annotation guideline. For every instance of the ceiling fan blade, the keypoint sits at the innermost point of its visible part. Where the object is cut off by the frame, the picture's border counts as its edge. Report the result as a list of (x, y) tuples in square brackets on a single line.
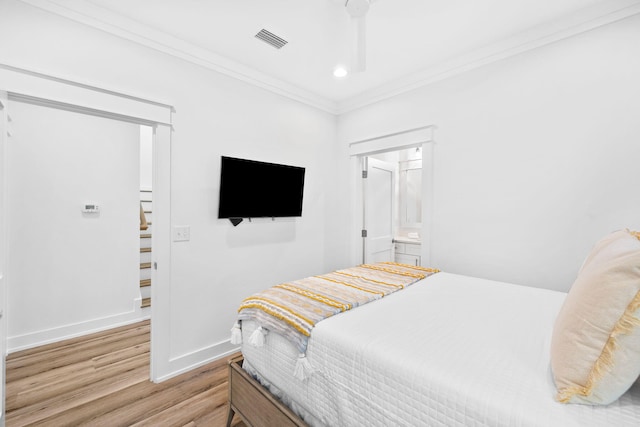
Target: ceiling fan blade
[(359, 43), (358, 9)]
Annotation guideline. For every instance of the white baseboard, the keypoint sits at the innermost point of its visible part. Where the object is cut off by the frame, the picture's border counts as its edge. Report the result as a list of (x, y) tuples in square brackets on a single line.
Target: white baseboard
[(176, 366), (47, 336), (186, 362)]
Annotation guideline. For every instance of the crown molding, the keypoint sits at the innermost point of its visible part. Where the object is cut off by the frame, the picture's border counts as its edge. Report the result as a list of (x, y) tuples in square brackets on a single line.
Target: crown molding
[(118, 25), (587, 19)]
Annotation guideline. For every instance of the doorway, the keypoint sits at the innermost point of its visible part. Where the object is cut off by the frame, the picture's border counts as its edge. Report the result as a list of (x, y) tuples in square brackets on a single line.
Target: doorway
[(421, 138), (392, 194), (94, 104), (72, 209)]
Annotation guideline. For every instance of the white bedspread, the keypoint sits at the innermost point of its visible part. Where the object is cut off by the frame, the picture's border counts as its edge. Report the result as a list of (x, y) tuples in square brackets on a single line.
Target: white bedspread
[(450, 350)]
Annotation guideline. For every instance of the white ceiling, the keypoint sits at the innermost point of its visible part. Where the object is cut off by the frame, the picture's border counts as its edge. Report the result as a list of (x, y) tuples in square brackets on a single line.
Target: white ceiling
[(409, 42)]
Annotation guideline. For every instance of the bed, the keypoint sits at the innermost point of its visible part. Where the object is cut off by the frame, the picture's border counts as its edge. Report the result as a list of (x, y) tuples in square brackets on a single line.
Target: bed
[(449, 350)]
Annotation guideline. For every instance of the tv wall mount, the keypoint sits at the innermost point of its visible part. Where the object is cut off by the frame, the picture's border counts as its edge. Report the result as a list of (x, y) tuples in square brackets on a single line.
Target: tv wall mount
[(236, 221)]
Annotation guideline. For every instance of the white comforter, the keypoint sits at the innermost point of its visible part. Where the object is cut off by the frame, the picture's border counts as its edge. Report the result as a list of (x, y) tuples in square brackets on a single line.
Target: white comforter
[(450, 350)]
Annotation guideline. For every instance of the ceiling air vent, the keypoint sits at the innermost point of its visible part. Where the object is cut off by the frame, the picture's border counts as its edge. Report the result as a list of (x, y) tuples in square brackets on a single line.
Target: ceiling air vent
[(270, 38)]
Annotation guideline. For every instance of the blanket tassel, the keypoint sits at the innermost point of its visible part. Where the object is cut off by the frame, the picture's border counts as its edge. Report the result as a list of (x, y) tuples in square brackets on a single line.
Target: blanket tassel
[(236, 334), (257, 337), (303, 368)]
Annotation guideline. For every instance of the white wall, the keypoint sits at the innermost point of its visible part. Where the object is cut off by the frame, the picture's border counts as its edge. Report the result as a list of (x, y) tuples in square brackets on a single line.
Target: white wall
[(70, 271), (146, 157), (215, 115), (536, 155)]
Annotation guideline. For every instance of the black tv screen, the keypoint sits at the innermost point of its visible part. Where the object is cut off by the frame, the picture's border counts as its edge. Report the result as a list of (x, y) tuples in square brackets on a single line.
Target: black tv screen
[(252, 189)]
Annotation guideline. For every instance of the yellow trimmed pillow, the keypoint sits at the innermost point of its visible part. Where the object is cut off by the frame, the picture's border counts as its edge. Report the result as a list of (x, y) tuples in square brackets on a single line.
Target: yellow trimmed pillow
[(595, 347)]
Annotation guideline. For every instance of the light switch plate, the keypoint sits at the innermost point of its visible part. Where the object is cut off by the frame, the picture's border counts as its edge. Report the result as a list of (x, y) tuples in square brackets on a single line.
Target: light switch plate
[(181, 233)]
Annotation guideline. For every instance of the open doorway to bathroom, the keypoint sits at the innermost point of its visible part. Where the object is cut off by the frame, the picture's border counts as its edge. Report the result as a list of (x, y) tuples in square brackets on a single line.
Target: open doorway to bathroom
[(392, 194), (412, 217)]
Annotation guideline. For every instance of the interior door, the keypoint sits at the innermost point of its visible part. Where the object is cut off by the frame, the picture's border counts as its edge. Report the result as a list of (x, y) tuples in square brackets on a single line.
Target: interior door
[(379, 218)]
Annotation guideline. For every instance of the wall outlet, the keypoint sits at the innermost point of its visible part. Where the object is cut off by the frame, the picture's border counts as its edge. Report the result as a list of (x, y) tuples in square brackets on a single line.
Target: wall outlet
[(181, 233)]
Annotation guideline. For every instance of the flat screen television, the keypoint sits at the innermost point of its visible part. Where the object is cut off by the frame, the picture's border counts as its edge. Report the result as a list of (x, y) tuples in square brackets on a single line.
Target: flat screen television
[(253, 189)]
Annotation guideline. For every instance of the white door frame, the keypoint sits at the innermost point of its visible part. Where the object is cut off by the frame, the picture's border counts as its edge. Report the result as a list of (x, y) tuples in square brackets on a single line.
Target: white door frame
[(27, 86), (3, 246), (358, 150)]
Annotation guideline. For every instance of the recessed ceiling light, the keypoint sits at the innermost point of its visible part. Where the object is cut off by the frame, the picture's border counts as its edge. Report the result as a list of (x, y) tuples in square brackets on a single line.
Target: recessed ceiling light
[(340, 72)]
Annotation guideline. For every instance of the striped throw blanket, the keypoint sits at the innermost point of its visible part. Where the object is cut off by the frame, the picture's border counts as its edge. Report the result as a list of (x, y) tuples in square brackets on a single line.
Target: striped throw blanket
[(292, 309)]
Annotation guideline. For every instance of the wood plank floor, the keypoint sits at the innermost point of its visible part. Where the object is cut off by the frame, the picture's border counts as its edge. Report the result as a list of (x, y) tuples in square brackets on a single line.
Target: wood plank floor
[(103, 380)]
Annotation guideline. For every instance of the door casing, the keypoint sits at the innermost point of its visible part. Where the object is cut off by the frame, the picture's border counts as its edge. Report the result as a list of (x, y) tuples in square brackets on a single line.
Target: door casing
[(50, 91)]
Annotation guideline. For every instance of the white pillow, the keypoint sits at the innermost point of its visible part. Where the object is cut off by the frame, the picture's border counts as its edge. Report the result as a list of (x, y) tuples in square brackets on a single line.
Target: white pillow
[(595, 347)]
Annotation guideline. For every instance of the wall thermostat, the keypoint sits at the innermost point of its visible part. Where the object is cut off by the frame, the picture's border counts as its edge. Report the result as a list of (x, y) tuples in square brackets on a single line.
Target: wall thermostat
[(90, 208)]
